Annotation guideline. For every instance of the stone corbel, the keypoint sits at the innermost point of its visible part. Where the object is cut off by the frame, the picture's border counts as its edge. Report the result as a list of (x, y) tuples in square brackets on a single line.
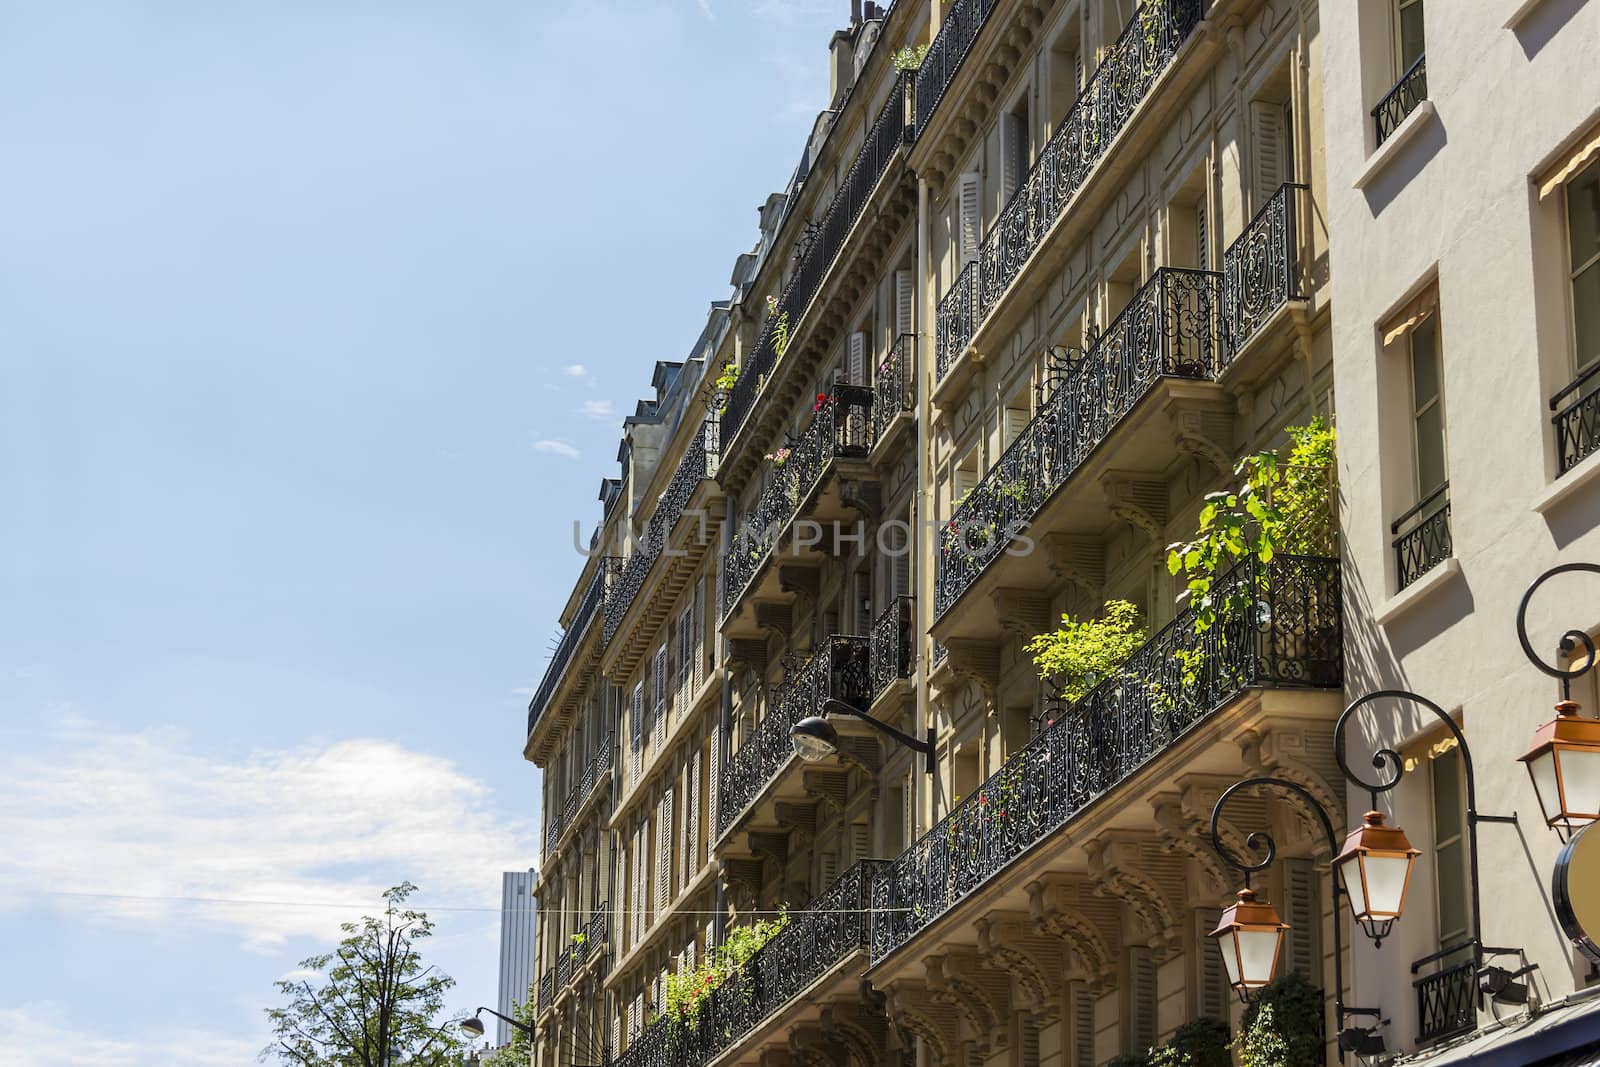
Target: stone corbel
[(1088, 922), (1148, 878), (775, 618), (977, 662), (980, 995), (774, 845), (860, 1026), (741, 880), (1021, 613), (816, 1047), (800, 819), (1036, 962), (1201, 433), (1302, 754), (913, 1008), (749, 652), (1140, 503), (862, 495), (1078, 560), (1192, 837), (828, 788), (800, 580)]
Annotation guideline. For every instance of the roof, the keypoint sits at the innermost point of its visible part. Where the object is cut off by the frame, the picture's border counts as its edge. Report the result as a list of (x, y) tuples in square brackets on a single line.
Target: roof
[(1565, 1034)]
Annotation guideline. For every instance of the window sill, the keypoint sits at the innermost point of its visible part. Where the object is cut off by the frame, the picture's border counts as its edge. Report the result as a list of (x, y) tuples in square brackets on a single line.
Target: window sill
[(1568, 485), (1520, 14), (1420, 118), (1446, 573)]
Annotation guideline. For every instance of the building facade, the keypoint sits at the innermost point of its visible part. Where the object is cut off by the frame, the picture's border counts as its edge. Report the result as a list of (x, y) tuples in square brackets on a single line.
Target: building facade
[(518, 929), (1046, 273)]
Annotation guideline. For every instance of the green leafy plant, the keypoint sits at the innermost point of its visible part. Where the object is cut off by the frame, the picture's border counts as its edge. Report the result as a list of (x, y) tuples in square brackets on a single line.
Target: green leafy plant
[(1201, 1042), (1083, 653), (1282, 506), (910, 57), (728, 377), (690, 988), (1129, 1059), (1282, 1026), (780, 334), (519, 1051), (580, 939)]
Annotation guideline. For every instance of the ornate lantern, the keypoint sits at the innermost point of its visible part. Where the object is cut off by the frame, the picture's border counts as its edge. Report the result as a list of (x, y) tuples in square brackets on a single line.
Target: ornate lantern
[(1375, 868), (1250, 935), (1564, 763)]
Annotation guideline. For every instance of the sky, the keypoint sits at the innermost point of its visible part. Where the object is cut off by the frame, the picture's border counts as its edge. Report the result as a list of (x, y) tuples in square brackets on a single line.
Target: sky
[(317, 324)]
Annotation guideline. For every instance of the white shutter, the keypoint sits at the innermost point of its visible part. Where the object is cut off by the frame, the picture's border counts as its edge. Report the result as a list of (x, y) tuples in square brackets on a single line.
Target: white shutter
[(636, 733), (659, 719), (1202, 236), (701, 667), (856, 362), (828, 869), (691, 817), (905, 302), (908, 815), (969, 216), (686, 647), (1266, 133), (860, 841), (714, 786), (664, 852), (1013, 153), (1016, 420)]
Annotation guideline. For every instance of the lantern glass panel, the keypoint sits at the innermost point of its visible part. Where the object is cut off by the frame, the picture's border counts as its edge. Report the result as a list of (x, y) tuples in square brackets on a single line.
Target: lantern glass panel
[(1543, 770), (1258, 952), (1229, 945), (1580, 781), (1387, 873), (1350, 874)]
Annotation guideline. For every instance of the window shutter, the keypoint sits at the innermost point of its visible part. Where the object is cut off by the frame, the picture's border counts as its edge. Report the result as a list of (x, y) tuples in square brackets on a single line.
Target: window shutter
[(1214, 989), (714, 787), (1267, 133), (969, 218), (691, 817), (688, 955), (1016, 420), (616, 1032), (860, 841), (636, 733), (1082, 1026), (1013, 153), (1030, 1043), (901, 564), (664, 852), (905, 295), (1144, 999), (660, 716), (1305, 922), (1202, 237), (857, 360), (828, 869), (686, 647), (909, 814), (701, 656)]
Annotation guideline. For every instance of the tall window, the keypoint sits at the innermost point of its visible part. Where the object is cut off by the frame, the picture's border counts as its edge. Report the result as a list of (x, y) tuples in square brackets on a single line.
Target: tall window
[(1408, 39), (1427, 407), (1583, 263), (1422, 535), (1449, 848)]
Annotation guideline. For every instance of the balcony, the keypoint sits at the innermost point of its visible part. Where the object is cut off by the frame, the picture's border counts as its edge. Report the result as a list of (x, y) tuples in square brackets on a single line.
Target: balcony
[(817, 942), (1119, 85), (1261, 269), (840, 669), (840, 428), (893, 645), (593, 773), (1447, 1000), (1422, 537), (570, 960), (1577, 420), (593, 597), (893, 390), (1171, 329), (1397, 103), (957, 32), (1291, 639), (881, 146)]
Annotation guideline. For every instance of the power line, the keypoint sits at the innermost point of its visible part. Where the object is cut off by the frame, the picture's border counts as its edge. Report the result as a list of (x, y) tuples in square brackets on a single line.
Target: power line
[(579, 912)]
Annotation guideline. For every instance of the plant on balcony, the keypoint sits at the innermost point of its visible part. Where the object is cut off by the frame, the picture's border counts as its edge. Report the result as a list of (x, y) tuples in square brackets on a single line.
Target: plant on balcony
[(780, 327), (910, 57), (1282, 506), (1081, 654), (822, 401), (728, 377), (1282, 1026), (690, 988), (1201, 1042), (779, 457)]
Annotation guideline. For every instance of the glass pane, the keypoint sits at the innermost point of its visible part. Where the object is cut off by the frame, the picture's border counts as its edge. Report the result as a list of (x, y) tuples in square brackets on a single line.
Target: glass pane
[(1387, 875), (1583, 216), (1430, 450), (1447, 796), (1410, 34), (1586, 314), (1424, 362), (1452, 891)]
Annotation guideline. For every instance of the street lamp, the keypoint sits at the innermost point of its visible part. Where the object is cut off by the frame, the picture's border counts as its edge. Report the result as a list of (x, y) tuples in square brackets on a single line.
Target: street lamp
[(1250, 934), (815, 738), (1375, 867), (1564, 760), (472, 1026)]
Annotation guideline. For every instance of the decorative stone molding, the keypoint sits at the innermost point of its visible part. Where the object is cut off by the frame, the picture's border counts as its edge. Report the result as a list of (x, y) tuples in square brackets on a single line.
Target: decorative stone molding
[(773, 845), (1140, 503), (861, 495), (1089, 922), (1036, 962), (1021, 613), (800, 580), (1078, 560), (830, 789), (816, 1047), (748, 652), (1192, 837), (1302, 754), (977, 662), (1206, 435), (860, 1026), (912, 1007), (1148, 878), (799, 819), (775, 617)]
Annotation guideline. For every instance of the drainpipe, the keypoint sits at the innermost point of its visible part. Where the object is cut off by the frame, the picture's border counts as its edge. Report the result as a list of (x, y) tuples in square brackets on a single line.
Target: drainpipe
[(921, 528), (719, 920)]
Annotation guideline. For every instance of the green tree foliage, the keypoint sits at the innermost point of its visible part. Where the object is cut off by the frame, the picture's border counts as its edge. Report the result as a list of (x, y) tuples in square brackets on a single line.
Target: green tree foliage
[(1282, 1026), (690, 988), (520, 1052), (1282, 506), (1201, 1042), (373, 1002), (910, 57), (1082, 654)]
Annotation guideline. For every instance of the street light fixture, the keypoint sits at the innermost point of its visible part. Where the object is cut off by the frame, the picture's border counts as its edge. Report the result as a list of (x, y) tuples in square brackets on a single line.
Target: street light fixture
[(1250, 934), (1375, 867), (1564, 760), (815, 738), (472, 1026)]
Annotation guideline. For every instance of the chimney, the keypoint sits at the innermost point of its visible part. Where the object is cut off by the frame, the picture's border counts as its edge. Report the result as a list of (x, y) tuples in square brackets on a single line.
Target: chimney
[(841, 65), (855, 12)]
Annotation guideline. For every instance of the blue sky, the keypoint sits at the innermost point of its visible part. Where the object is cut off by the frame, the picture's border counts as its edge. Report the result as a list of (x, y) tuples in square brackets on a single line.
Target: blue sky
[(291, 298)]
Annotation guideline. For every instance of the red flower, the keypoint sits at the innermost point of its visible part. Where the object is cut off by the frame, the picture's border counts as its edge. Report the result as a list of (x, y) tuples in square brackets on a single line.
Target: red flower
[(982, 799), (822, 402)]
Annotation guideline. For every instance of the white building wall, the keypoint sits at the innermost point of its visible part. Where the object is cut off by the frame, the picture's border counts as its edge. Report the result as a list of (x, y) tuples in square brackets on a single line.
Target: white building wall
[(518, 920)]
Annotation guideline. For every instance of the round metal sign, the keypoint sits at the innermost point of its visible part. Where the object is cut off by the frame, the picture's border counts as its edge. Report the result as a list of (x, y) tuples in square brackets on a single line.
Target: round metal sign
[(1576, 890)]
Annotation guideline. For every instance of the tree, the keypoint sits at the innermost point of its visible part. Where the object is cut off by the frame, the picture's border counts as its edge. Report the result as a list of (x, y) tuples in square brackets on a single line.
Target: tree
[(520, 1052), (373, 1003)]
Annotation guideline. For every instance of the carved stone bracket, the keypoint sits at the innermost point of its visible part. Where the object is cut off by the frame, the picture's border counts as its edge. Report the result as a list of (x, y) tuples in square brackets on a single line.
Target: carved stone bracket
[(775, 618), (816, 1047), (1192, 837), (741, 878), (976, 661), (799, 819), (769, 844), (1076, 559), (863, 495), (1140, 503), (980, 993), (800, 580), (1036, 962), (830, 789), (1302, 755), (1204, 434), (1090, 923), (750, 652), (914, 1008), (1148, 878), (1021, 613)]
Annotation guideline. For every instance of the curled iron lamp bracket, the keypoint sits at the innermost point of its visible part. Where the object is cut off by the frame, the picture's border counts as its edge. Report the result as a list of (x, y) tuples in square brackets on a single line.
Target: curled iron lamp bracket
[(1569, 640)]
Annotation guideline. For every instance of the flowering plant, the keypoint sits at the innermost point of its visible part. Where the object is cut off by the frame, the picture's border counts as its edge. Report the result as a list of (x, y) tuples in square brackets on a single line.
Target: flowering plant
[(778, 458), (823, 400), (690, 987)]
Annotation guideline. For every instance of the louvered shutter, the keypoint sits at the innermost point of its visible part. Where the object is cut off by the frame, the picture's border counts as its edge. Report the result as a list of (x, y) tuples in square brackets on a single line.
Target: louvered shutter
[(688, 955), (664, 852), (1016, 420), (1305, 922), (901, 562), (856, 362), (1144, 999), (691, 818), (860, 841), (660, 715), (616, 1032), (714, 787), (905, 296), (1030, 1043), (686, 648), (1202, 237), (1082, 1026), (701, 667), (909, 814), (828, 868), (1213, 978), (969, 216), (1013, 153), (1267, 134), (636, 733)]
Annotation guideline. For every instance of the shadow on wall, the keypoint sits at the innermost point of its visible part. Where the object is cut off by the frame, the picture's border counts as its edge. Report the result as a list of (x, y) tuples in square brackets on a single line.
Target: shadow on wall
[(1573, 517), (1544, 22), (1407, 165)]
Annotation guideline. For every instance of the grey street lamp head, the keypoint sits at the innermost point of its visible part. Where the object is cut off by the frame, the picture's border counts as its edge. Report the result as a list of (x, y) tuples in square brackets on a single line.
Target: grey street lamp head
[(473, 1026), (814, 738)]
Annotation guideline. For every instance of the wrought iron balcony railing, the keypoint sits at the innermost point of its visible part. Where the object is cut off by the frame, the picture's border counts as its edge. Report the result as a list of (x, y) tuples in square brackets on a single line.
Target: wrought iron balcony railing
[(1422, 537), (1577, 419), (1143, 50), (839, 429), (1261, 269), (1447, 1001), (1290, 637), (1171, 328), (892, 647), (593, 597), (879, 148), (560, 820), (815, 941), (958, 31), (699, 462), (839, 669), (547, 988), (1402, 100), (892, 387), (590, 936)]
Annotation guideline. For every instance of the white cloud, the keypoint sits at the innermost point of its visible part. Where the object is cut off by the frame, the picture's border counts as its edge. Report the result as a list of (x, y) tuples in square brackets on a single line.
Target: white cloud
[(599, 410), (29, 1032), (705, 9), (141, 814), (575, 370), (559, 448)]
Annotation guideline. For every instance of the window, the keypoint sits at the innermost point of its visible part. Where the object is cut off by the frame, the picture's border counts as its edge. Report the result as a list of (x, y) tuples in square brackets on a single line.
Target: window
[(964, 478), (1408, 40), (1411, 70), (1272, 135), (1583, 263), (1014, 150), (969, 218), (1427, 405), (1449, 848), (1422, 534)]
